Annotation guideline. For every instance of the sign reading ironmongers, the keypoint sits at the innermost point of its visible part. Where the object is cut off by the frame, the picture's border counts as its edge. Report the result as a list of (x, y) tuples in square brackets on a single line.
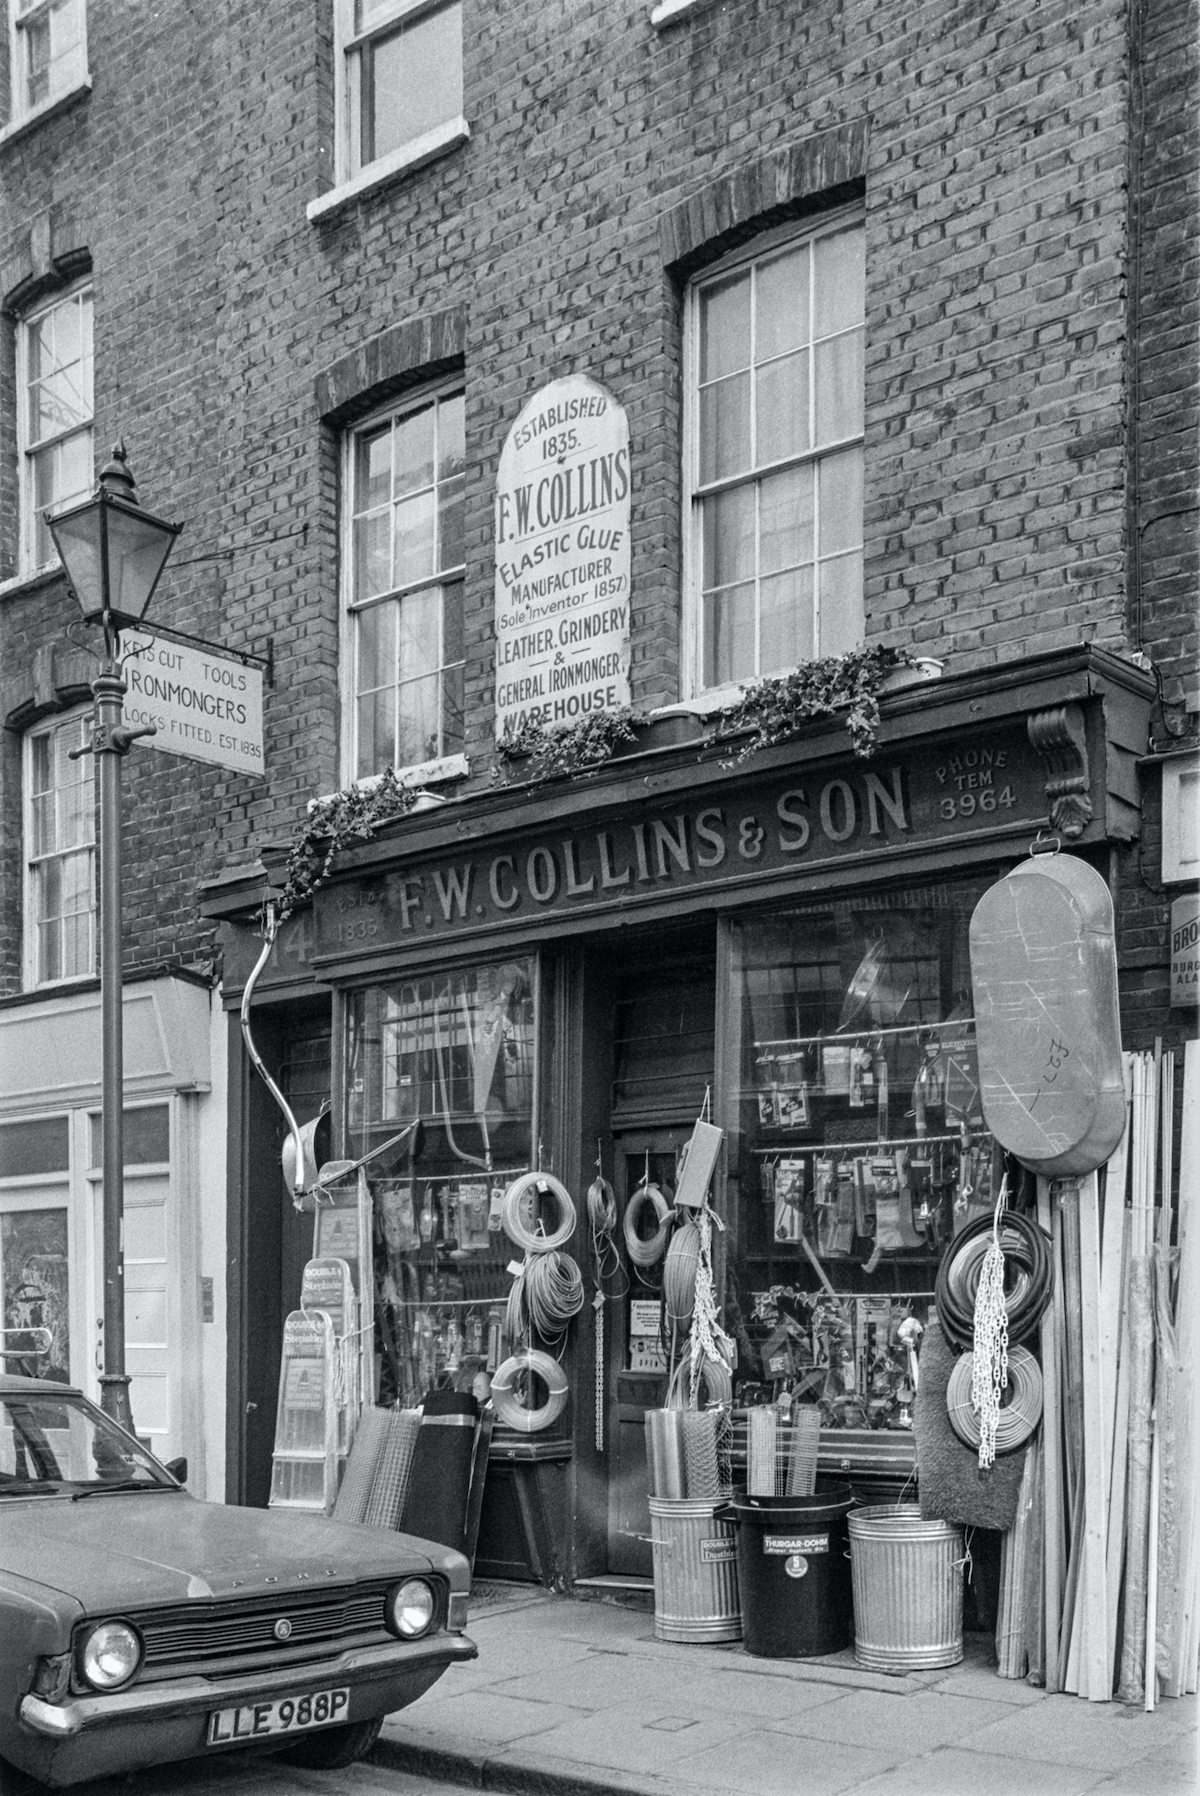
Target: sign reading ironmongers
[(204, 706), (562, 559), (737, 835)]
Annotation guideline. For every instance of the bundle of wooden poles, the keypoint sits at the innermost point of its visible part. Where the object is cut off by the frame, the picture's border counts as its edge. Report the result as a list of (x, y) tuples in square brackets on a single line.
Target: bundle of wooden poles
[(1100, 1576)]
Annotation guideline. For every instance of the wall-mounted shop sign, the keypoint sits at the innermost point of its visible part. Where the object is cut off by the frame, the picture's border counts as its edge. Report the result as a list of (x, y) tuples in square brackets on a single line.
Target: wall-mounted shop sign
[(204, 706), (734, 835), (562, 558), (1185, 951)]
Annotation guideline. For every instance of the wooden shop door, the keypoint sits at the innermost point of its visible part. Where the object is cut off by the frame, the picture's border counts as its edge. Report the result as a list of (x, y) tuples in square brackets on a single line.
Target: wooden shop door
[(636, 1373)]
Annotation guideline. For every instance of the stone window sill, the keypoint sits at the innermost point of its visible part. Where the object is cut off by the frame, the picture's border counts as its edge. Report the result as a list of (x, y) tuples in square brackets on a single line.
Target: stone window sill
[(673, 12), (426, 773), (403, 161), (31, 582), (29, 121)]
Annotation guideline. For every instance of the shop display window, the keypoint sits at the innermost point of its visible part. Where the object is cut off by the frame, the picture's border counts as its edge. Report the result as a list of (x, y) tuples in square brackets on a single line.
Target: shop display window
[(861, 1148), (456, 1051)]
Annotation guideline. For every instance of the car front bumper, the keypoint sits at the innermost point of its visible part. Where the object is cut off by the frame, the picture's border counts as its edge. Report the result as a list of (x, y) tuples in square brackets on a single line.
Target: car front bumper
[(152, 1724)]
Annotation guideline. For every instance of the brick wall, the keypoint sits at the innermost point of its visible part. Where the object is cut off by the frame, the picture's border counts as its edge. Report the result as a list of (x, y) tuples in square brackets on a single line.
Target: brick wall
[(996, 219)]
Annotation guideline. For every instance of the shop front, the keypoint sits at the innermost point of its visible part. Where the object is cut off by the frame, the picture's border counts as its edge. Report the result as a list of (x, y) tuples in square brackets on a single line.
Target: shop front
[(563, 978)]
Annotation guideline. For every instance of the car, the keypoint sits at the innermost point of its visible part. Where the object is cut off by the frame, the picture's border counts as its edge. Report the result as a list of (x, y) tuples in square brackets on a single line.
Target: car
[(139, 1625)]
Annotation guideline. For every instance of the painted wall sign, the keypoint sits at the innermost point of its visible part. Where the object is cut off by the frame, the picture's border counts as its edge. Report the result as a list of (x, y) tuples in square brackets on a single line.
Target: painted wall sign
[(1185, 950), (790, 821), (562, 558), (205, 706)]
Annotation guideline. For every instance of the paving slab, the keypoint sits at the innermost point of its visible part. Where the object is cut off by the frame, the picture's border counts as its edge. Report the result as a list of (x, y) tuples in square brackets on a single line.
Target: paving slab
[(767, 1763), (910, 1725), (953, 1772)]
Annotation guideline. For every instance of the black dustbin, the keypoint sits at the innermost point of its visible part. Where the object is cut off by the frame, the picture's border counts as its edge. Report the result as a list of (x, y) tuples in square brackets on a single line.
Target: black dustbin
[(793, 1558)]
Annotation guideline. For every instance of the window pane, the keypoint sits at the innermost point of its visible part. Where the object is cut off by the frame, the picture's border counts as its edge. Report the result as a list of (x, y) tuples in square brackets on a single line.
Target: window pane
[(839, 281), (839, 379), (42, 1145), (420, 647), (419, 721), (841, 489), (372, 555), (376, 647), (74, 467), (75, 882), (725, 327), (452, 442), (842, 624), (414, 451), (40, 751), (35, 1288), (450, 523), (145, 1140), (728, 635), (376, 732), (452, 622), (42, 812), (76, 945), (49, 964), (725, 428), (781, 304), (452, 710), (416, 81), (785, 519), (729, 537), (373, 472), (782, 409), (786, 621), (48, 889), (414, 539)]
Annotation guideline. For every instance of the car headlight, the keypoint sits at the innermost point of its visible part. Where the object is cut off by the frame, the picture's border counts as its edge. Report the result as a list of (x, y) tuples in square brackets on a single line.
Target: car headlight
[(110, 1654), (410, 1608)]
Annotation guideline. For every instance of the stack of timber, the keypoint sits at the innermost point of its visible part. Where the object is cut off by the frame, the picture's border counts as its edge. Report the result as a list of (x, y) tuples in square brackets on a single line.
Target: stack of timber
[(1119, 1568)]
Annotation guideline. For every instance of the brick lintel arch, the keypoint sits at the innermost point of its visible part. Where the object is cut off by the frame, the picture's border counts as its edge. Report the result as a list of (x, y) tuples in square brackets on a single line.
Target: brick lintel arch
[(403, 356)]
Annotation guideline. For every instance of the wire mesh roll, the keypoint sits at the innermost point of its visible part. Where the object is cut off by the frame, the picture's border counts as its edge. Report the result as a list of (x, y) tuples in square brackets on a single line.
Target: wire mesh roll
[(362, 1465), (529, 1187), (664, 1453), (1018, 1418), (701, 1470), (650, 1251), (763, 1424), (802, 1454), (389, 1487), (679, 1276), (1026, 1252)]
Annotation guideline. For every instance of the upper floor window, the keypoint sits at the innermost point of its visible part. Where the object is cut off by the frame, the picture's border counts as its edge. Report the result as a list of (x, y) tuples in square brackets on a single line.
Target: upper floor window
[(775, 416), (402, 62), (48, 42), (54, 417), (404, 570), (60, 836)]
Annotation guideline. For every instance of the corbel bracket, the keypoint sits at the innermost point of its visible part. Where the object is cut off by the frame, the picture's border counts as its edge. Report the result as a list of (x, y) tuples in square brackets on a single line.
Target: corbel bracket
[(1060, 738)]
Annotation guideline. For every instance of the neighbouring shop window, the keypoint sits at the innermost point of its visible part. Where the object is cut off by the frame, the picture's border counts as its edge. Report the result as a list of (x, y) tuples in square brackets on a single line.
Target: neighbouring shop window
[(775, 414), (455, 1049), (145, 1136), (405, 561), (861, 1139), (60, 837), (48, 45), (34, 1286), (42, 1144), (54, 417), (402, 63)]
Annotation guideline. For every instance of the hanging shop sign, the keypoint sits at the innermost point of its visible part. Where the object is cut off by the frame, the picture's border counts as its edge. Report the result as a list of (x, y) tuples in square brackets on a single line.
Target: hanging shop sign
[(202, 705), (738, 837), (1185, 951), (562, 559)]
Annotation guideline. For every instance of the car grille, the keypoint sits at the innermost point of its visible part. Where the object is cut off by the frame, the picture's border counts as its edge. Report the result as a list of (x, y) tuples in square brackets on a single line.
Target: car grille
[(224, 1630)]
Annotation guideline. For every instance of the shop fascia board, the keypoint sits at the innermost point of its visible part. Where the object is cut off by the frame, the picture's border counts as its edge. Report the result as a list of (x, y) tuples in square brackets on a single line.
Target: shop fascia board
[(924, 712)]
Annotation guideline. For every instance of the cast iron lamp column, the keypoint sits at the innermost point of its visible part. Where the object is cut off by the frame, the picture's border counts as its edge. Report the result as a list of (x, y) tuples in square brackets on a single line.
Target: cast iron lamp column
[(113, 553)]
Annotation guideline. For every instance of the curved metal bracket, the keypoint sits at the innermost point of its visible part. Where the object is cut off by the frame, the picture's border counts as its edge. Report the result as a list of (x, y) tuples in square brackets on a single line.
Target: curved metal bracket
[(1059, 735)]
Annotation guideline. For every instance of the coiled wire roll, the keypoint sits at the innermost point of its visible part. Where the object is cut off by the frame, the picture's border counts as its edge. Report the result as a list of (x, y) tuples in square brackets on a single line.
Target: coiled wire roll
[(1026, 1252), (650, 1251), (545, 1295), (679, 1276), (520, 1369), (536, 1240), (1018, 1418)]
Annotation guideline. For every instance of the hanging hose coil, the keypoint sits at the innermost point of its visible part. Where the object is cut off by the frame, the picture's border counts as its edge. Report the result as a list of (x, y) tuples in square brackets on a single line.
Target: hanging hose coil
[(650, 1251), (520, 1370), (679, 1275), (1018, 1418), (1027, 1256), (515, 1208)]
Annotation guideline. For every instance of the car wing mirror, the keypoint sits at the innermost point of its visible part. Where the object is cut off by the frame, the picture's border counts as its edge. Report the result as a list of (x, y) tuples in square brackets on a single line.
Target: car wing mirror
[(178, 1469)]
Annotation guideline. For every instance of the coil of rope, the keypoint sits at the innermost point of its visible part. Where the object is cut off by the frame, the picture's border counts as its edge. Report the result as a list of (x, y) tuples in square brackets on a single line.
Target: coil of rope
[(1018, 1418), (679, 1276), (1027, 1255), (535, 1240), (647, 1252), (520, 1370)]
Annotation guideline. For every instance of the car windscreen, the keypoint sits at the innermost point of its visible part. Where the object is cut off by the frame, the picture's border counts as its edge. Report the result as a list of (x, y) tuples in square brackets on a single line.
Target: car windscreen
[(57, 1443)]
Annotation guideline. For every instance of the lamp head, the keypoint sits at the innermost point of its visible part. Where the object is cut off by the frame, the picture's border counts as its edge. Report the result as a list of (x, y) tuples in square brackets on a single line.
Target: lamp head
[(112, 551)]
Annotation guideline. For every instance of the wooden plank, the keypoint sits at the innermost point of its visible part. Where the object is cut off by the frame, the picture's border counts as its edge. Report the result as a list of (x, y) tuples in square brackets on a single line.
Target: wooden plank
[(1115, 1556), (1137, 1496), (1180, 1657), (1052, 1482), (1151, 1675), (1097, 1426)]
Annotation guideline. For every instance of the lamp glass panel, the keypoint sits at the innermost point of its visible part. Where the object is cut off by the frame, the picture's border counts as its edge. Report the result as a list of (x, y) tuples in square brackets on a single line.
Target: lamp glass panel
[(77, 539), (137, 550)]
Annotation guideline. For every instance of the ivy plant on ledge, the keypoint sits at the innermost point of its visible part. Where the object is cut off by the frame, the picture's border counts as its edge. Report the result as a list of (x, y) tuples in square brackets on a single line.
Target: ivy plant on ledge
[(574, 748), (776, 709), (332, 824)]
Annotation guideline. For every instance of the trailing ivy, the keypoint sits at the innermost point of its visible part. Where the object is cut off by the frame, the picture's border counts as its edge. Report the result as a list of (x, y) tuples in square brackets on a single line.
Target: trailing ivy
[(553, 753), (332, 824), (777, 709)]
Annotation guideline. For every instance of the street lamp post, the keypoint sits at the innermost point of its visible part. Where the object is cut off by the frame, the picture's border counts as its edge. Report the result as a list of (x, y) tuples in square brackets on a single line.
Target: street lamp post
[(113, 553)]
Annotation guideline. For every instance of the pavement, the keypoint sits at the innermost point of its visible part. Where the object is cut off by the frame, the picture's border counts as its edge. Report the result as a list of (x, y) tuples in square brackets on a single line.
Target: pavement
[(578, 1698)]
